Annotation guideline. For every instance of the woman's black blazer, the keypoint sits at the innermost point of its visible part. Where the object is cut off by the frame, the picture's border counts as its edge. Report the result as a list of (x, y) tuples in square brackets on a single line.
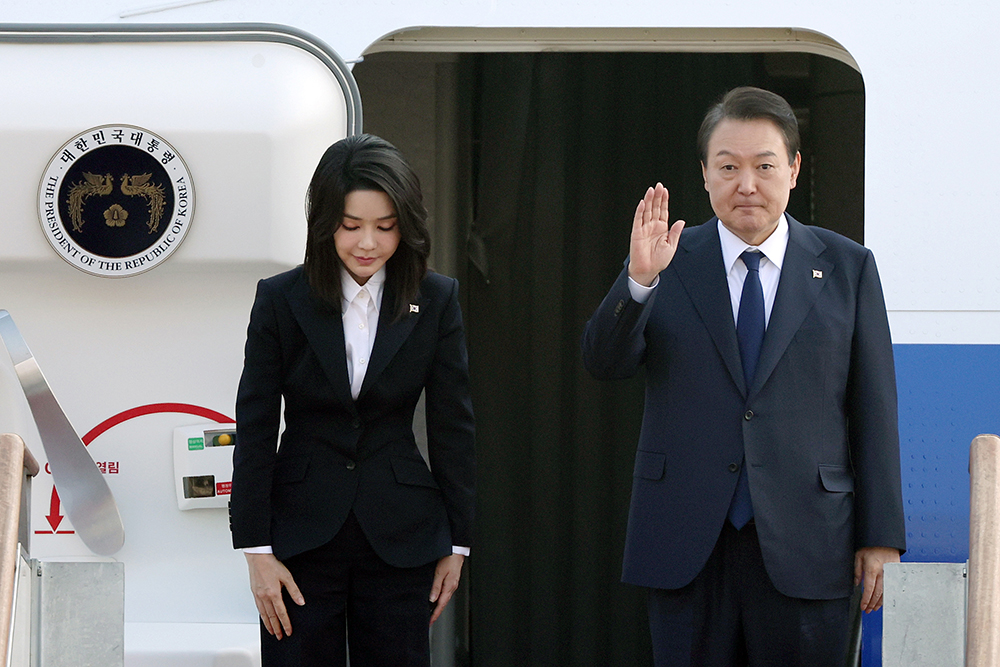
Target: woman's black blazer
[(338, 454)]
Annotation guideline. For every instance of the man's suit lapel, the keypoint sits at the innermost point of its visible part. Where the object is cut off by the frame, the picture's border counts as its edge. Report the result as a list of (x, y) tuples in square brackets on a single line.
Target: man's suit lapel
[(703, 274), (803, 275), (390, 335), (323, 326)]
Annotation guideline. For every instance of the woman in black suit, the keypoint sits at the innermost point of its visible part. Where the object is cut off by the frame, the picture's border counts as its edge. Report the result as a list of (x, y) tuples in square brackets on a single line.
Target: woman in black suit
[(348, 534)]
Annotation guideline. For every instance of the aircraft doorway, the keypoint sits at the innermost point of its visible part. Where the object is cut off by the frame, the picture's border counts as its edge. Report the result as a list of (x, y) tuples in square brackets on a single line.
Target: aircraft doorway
[(532, 163)]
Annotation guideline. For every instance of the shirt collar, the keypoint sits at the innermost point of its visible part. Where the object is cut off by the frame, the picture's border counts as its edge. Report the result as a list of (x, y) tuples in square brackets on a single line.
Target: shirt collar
[(773, 246), (349, 287)]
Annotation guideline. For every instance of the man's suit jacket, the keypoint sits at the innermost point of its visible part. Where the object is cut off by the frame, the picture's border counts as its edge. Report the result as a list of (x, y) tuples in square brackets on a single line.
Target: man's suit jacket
[(338, 454), (818, 425)]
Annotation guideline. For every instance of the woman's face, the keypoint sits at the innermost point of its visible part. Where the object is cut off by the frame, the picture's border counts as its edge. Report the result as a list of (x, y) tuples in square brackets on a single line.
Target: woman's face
[(368, 235)]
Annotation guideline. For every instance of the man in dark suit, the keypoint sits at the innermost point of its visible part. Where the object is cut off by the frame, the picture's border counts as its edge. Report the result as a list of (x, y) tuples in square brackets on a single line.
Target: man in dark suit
[(766, 480)]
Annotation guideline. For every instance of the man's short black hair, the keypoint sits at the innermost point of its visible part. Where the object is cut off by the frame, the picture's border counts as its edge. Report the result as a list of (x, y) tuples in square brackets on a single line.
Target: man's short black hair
[(748, 103)]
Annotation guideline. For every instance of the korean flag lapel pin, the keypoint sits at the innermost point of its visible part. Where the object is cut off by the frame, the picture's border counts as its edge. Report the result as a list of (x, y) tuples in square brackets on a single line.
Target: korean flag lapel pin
[(817, 273), (414, 308)]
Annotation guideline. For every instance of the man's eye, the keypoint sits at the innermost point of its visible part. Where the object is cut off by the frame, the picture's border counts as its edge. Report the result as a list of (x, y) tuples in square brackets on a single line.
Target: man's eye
[(765, 167), (728, 167)]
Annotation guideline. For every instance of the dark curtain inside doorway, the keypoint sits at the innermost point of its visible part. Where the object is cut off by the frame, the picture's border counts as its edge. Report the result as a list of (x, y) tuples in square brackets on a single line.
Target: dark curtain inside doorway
[(563, 146)]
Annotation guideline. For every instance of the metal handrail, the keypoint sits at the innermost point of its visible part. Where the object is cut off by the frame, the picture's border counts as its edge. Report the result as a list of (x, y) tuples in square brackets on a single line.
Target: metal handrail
[(16, 463), (983, 620), (85, 494)]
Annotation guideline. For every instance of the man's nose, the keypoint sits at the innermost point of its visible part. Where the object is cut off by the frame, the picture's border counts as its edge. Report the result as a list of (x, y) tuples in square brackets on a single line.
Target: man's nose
[(747, 183)]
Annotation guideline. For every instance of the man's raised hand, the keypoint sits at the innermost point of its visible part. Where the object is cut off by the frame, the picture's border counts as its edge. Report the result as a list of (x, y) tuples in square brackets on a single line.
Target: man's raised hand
[(654, 241)]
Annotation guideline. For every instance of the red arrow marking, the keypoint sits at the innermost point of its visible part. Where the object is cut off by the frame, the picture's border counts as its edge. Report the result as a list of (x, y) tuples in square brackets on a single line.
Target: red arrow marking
[(54, 516), (154, 408)]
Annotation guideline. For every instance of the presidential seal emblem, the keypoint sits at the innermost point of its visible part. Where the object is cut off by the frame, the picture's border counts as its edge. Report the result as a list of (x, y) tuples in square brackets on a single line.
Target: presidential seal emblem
[(116, 200)]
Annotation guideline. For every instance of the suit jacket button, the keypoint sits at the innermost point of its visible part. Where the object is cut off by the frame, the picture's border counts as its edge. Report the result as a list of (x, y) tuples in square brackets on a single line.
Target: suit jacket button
[(748, 415), (733, 467), (356, 423), (350, 465), (620, 307)]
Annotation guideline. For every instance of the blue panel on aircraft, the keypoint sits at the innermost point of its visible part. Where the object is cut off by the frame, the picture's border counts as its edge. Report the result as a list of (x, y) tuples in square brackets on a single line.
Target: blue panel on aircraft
[(948, 394)]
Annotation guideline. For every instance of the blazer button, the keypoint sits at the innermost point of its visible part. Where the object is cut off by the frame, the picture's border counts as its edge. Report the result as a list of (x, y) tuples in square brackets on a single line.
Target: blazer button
[(350, 465), (733, 467), (748, 415), (356, 423), (620, 307)]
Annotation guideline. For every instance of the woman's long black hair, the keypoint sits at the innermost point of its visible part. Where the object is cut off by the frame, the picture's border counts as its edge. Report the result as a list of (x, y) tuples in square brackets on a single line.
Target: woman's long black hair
[(365, 162)]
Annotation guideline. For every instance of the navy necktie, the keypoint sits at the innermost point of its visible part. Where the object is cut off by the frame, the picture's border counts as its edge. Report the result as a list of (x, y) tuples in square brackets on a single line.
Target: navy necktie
[(750, 333)]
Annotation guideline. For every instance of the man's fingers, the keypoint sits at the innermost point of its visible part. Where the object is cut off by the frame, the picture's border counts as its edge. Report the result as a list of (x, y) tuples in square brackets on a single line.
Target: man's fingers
[(652, 208), (637, 220), (675, 232), (875, 601), (880, 599), (867, 592), (658, 210), (869, 567), (859, 567), (871, 598), (647, 206)]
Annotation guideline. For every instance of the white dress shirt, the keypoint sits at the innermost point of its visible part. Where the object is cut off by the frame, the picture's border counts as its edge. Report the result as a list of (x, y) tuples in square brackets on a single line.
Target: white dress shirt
[(773, 249), (360, 323)]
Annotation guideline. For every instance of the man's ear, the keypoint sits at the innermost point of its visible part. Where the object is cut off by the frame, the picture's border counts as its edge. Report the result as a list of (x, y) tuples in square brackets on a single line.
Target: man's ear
[(795, 166)]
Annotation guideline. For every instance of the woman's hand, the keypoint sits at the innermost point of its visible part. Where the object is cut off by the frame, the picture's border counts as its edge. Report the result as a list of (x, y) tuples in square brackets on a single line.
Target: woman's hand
[(446, 577), (267, 577)]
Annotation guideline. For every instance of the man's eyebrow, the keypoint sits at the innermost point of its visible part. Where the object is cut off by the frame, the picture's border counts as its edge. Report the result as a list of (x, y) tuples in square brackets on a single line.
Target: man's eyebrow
[(761, 154)]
